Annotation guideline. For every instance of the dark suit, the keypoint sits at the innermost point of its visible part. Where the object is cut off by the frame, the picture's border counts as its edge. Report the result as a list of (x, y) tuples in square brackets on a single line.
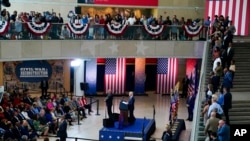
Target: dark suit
[(62, 131), (8, 134), (44, 87), (131, 107), (223, 58), (190, 103), (109, 103), (230, 55), (227, 105), (28, 100), (16, 132), (227, 39)]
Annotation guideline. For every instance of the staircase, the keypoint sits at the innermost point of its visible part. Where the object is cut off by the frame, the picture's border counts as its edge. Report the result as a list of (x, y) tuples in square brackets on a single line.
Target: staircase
[(240, 112), (241, 81)]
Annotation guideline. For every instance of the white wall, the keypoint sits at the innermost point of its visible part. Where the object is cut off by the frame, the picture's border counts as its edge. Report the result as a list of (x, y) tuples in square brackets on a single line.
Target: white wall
[(79, 75)]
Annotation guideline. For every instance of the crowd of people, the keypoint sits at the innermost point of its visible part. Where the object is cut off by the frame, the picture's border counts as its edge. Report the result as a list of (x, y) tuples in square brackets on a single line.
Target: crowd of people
[(25, 118), (60, 31), (218, 100)]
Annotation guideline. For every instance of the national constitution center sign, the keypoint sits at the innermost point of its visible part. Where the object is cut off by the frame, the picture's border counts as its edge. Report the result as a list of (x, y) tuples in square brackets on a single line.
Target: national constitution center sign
[(33, 71)]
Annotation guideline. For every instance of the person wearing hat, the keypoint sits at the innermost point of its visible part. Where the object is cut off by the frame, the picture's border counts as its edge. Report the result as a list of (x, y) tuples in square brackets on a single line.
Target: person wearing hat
[(167, 134)]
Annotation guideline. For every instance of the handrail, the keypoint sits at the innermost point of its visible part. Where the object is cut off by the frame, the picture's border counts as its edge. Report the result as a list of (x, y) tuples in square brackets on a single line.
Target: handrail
[(200, 95), (55, 31)]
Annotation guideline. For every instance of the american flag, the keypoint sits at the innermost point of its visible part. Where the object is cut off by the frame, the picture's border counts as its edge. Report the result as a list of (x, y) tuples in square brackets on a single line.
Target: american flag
[(115, 74), (237, 10), (166, 74)]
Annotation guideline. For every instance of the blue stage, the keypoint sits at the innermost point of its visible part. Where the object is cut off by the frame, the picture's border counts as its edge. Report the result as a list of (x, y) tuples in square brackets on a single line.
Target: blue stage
[(142, 129)]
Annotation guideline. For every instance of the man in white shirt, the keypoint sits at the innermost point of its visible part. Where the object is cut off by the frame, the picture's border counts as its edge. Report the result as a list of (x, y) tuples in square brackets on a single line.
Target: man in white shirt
[(215, 64)]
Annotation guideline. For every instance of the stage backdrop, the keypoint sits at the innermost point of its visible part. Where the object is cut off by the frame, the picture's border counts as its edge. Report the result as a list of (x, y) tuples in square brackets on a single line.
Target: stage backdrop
[(237, 10), (28, 74), (192, 66)]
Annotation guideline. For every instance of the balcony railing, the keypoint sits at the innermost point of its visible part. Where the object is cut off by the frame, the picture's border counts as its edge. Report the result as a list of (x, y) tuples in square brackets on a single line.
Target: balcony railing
[(72, 31)]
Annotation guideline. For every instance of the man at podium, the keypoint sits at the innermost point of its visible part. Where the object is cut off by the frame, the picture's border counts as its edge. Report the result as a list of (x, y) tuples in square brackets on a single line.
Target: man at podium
[(126, 107)]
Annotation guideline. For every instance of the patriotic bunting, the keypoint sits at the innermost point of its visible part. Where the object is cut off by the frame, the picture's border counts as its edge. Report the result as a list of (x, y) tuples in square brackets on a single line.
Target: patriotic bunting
[(4, 26), (116, 29), (77, 29), (38, 28), (154, 30), (192, 30)]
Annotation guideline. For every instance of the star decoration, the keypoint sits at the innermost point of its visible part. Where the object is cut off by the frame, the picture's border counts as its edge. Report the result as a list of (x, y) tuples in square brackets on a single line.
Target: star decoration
[(141, 48), (90, 46), (118, 137), (102, 136), (110, 137), (114, 48)]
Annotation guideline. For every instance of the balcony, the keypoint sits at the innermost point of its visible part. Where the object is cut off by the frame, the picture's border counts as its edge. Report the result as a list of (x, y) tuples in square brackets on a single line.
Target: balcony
[(28, 41)]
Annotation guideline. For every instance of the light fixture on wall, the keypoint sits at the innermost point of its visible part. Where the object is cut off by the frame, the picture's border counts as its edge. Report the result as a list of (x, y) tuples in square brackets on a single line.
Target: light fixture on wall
[(76, 63)]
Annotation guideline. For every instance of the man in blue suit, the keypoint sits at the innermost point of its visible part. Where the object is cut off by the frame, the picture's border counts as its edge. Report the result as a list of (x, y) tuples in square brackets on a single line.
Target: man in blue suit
[(227, 80), (190, 106), (223, 131), (131, 106)]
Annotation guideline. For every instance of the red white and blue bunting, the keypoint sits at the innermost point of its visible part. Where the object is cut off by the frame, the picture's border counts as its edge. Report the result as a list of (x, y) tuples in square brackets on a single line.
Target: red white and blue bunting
[(77, 28), (192, 30), (154, 30), (38, 28), (116, 29), (4, 26)]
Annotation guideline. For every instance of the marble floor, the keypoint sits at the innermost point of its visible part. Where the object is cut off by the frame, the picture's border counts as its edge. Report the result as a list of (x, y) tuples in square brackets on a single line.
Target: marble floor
[(90, 126)]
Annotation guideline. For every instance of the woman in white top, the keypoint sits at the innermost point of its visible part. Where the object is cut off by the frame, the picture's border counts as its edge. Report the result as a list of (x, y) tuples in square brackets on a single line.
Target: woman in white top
[(232, 68)]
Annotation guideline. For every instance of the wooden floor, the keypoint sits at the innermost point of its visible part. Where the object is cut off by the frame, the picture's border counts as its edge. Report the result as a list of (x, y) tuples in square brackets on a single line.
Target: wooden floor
[(90, 126)]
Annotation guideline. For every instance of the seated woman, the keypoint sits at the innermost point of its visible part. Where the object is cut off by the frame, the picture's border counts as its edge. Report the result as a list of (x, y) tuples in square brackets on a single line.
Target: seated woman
[(40, 129), (87, 106)]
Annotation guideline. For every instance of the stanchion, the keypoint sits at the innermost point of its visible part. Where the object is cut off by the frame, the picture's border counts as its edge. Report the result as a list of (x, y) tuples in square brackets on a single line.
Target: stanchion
[(97, 107)]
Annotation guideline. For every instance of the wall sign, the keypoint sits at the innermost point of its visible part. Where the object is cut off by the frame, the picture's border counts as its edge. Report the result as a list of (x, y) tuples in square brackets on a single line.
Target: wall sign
[(33, 71)]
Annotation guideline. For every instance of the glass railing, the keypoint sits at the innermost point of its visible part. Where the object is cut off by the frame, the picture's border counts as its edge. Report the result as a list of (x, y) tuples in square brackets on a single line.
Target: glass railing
[(70, 31), (200, 96)]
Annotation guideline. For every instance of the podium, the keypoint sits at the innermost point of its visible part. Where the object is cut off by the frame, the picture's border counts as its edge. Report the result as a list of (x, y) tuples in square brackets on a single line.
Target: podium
[(123, 112)]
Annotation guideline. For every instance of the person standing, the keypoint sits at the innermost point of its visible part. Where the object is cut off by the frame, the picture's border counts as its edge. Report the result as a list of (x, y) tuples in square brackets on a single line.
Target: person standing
[(62, 130), (223, 131), (131, 106), (109, 102), (227, 104), (211, 125), (190, 106), (230, 54), (44, 87), (227, 80)]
